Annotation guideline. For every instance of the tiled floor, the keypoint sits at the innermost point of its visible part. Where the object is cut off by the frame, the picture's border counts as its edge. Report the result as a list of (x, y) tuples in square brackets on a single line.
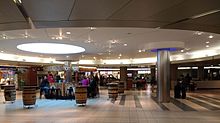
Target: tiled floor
[(132, 107)]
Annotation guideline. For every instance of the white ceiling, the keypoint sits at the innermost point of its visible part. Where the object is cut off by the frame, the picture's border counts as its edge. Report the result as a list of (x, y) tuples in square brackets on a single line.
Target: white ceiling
[(134, 22), (135, 38)]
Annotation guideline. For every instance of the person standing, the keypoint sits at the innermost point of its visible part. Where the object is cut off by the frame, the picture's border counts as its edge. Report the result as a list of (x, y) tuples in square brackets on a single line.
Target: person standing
[(44, 87)]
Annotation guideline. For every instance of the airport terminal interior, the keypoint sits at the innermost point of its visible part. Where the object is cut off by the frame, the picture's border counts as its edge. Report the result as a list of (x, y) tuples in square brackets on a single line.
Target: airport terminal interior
[(109, 61)]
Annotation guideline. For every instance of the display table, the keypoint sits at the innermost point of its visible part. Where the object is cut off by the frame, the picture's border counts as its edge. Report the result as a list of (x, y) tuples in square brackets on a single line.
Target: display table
[(29, 96), (9, 93), (81, 95), (60, 91)]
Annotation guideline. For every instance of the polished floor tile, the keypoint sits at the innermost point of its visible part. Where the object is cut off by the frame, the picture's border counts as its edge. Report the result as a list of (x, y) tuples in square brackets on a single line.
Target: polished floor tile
[(132, 107)]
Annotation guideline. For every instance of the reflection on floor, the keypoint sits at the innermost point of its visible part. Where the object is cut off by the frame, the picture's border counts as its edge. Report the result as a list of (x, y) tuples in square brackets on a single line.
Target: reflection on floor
[(131, 107)]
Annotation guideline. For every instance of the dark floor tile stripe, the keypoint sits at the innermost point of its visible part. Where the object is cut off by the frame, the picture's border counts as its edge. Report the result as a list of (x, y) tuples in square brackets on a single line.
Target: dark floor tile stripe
[(159, 104), (210, 107), (122, 101), (207, 99), (181, 105), (137, 102)]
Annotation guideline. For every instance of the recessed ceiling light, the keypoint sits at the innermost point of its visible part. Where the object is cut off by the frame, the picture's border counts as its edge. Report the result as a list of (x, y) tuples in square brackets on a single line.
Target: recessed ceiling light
[(114, 41), (2, 51), (211, 36), (67, 56), (89, 41), (120, 54), (92, 28), (139, 51), (68, 33), (17, 1), (125, 44), (52, 37), (50, 48), (199, 33), (182, 50), (119, 57), (4, 37), (94, 57), (26, 36), (207, 46), (60, 37), (207, 42)]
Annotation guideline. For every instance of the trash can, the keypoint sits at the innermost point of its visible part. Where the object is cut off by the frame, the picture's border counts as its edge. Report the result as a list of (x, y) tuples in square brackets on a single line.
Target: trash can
[(81, 95), (29, 96), (9, 93), (113, 90)]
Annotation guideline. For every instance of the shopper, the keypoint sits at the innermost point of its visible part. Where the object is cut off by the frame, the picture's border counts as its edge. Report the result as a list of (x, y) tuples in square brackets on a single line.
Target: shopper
[(44, 87), (177, 89), (85, 81), (187, 81)]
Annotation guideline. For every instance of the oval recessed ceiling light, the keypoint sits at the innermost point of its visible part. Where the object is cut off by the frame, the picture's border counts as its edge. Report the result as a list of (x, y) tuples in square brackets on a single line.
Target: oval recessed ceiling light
[(50, 48), (125, 44), (207, 46), (207, 42), (139, 51), (182, 50)]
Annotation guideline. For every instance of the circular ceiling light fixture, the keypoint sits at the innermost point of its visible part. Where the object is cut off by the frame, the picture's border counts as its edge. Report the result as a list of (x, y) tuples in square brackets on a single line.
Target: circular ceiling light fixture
[(50, 48)]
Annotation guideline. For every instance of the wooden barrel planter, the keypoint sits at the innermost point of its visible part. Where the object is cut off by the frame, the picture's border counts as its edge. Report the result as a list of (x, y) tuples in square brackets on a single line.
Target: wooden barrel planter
[(9, 93), (81, 95), (113, 90), (29, 95), (121, 87)]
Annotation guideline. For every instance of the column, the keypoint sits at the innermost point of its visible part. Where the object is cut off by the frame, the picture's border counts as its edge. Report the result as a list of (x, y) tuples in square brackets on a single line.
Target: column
[(68, 69), (163, 75), (123, 76)]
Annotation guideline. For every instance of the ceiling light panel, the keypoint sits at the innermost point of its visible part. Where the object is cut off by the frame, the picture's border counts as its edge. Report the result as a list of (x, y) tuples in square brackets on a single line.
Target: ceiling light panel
[(50, 48)]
